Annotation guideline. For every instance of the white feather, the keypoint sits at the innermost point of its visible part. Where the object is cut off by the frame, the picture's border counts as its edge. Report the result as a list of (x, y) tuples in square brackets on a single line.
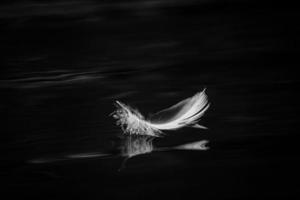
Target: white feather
[(187, 113)]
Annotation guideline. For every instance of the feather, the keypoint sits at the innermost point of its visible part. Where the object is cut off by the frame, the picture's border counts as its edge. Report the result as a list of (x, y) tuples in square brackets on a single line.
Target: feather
[(185, 113)]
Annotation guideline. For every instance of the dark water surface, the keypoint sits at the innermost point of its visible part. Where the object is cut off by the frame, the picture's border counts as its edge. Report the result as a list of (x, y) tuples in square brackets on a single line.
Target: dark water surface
[(61, 74)]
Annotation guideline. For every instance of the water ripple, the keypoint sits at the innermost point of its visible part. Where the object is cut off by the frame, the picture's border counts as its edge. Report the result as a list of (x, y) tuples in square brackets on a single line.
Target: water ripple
[(50, 78)]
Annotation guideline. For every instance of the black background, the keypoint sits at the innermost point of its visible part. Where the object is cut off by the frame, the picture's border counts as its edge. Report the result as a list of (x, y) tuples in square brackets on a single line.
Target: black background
[(63, 63)]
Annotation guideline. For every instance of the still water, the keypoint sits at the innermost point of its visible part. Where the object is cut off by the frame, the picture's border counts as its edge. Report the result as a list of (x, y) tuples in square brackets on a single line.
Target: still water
[(61, 77)]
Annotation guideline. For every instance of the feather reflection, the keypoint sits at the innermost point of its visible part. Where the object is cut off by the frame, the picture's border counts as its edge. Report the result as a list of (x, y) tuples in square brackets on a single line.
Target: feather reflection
[(134, 145), (130, 146)]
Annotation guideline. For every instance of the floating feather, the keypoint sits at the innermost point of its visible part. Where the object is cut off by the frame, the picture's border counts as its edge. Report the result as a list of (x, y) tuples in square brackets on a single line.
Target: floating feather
[(185, 113)]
